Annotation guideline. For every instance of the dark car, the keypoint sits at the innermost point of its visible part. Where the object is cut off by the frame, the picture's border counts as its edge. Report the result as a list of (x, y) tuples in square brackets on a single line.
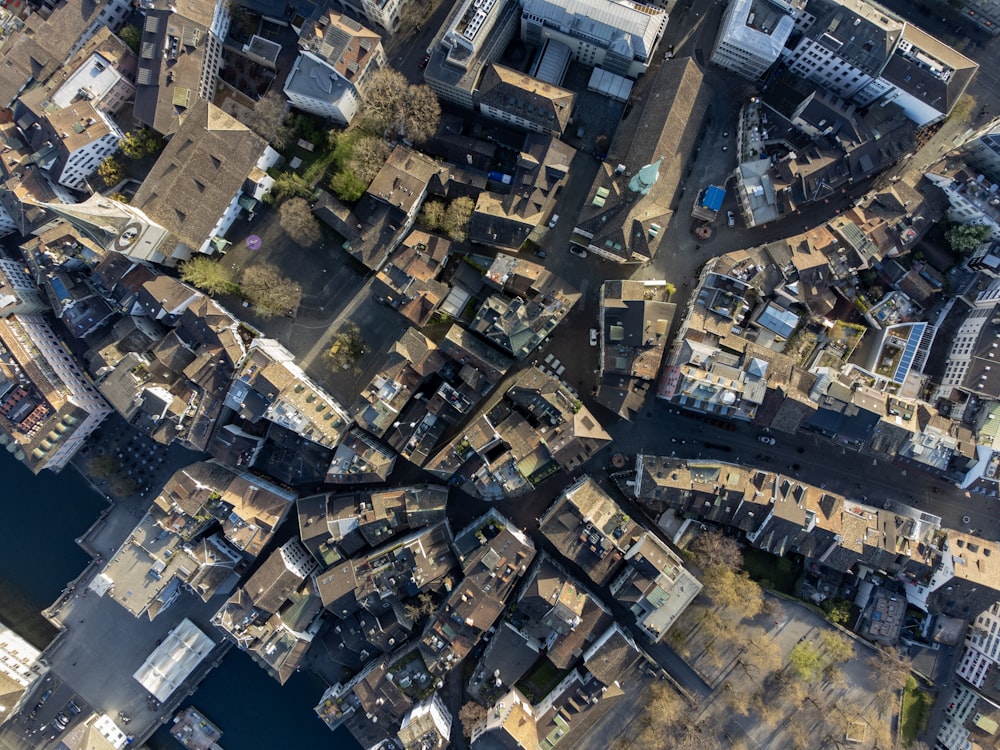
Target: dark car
[(540, 253), (424, 60)]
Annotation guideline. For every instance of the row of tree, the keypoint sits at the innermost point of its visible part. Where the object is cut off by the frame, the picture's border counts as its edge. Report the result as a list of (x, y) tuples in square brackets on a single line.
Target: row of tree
[(262, 284)]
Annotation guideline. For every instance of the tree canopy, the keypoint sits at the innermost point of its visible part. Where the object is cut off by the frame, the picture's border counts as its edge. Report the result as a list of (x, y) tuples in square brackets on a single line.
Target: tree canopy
[(396, 108), (964, 238), (210, 275), (111, 171), (713, 548), (269, 292), (271, 120), (296, 218), (347, 348)]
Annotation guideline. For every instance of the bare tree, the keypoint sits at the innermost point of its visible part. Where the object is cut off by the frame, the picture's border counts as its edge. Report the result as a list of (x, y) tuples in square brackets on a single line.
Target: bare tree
[(347, 348), (271, 119), (734, 592), (297, 219), (760, 655), (470, 715), (889, 669), (394, 107), (713, 548), (269, 292), (368, 155)]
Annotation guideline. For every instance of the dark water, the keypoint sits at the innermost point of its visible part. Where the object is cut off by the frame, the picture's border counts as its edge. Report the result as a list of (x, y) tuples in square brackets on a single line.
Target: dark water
[(41, 518)]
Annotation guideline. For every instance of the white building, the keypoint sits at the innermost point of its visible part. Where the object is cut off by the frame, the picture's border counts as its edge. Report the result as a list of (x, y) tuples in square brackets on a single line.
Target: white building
[(337, 57), (112, 16), (616, 35), (19, 665), (384, 13), (426, 726), (752, 36), (48, 408), (97, 80), (862, 53), (80, 137), (982, 150), (18, 293), (970, 202)]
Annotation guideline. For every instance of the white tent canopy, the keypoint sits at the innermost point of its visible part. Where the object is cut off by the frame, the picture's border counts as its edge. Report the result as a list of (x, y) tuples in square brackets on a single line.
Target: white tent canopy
[(184, 648)]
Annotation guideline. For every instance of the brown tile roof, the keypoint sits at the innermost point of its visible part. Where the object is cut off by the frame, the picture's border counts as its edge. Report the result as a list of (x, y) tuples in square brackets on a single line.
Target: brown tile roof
[(201, 170)]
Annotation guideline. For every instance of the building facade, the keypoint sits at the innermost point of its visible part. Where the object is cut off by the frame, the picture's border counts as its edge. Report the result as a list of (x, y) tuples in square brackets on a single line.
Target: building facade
[(48, 408), (617, 35), (752, 36), (337, 56)]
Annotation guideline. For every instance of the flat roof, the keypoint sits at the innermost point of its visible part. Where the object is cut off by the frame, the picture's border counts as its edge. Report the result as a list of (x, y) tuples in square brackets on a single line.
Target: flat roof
[(173, 661)]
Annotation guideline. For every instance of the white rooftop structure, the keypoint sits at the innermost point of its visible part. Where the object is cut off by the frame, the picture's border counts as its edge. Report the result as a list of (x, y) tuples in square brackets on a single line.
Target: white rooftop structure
[(751, 36), (631, 29), (173, 661), (92, 80)]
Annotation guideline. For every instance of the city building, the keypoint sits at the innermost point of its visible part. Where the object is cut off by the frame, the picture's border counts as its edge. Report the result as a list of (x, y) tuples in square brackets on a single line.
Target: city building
[(981, 150), (970, 201), (984, 12), (48, 406), (80, 137), (20, 668), (275, 614), (634, 319), (510, 723), (493, 555), (426, 726), (336, 57), (655, 585), (632, 198), (248, 507), (861, 52), (752, 36), (474, 35), (180, 57), (376, 580), (507, 219), (211, 171), (616, 35), (18, 293), (173, 661), (411, 362), (408, 280), (336, 526), (269, 385), (103, 73), (508, 450), (360, 459), (516, 99), (44, 43)]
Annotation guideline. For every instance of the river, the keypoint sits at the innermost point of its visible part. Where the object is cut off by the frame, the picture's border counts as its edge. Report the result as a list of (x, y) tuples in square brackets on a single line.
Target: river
[(42, 516)]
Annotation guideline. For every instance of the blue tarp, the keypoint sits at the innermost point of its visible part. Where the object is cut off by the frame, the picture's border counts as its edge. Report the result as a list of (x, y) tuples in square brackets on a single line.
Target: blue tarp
[(714, 196)]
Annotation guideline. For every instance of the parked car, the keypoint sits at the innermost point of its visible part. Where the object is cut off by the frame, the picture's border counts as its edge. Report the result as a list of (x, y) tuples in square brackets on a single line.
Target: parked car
[(593, 337), (72, 708), (731, 218), (61, 720), (554, 220), (424, 60), (539, 253), (578, 251), (766, 439)]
